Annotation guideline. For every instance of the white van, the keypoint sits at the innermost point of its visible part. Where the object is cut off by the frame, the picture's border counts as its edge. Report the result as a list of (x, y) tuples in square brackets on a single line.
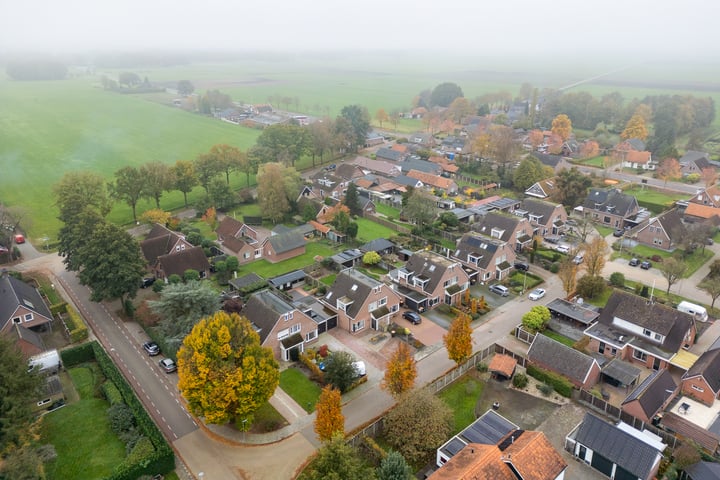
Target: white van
[(700, 313), (47, 362)]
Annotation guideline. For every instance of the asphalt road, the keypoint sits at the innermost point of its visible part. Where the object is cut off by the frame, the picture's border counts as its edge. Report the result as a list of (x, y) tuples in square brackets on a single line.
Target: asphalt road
[(639, 179)]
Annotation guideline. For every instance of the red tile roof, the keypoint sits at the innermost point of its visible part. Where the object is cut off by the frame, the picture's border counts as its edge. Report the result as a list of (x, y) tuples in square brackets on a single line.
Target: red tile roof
[(430, 179), (503, 364)]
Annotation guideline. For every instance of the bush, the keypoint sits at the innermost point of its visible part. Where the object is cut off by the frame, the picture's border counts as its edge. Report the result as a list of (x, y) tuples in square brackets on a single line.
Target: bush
[(77, 355), (520, 380), (617, 279), (111, 393), (121, 418), (558, 382), (76, 325), (555, 267), (315, 372), (58, 308), (545, 389)]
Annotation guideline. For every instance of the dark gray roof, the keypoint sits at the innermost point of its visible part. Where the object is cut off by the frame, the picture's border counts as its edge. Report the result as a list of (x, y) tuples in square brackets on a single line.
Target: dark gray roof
[(289, 277), (636, 144), (461, 213), (538, 208), (420, 165), (492, 220), (611, 201), (628, 452), (477, 246), (264, 309), (704, 471), (489, 429), (405, 180), (13, 293), (573, 310), (377, 245), (158, 242), (189, 259), (21, 333), (670, 221), (287, 241), (653, 392), (560, 358), (547, 159), (347, 256), (386, 153), (429, 265), (624, 372), (693, 156), (245, 280), (708, 367), (281, 229), (348, 171), (354, 285)]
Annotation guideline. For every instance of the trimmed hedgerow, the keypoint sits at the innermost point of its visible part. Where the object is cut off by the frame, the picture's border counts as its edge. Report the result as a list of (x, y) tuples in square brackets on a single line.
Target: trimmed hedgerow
[(77, 355), (111, 392), (558, 382), (76, 325)]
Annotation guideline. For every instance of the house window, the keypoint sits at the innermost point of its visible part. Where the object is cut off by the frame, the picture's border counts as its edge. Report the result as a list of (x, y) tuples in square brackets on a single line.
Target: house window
[(295, 328), (43, 402), (638, 355), (601, 347), (395, 308), (246, 255), (377, 289), (28, 317), (17, 320), (288, 316), (433, 301), (383, 301), (606, 219), (647, 332), (613, 351), (658, 337), (697, 389), (312, 335), (358, 326)]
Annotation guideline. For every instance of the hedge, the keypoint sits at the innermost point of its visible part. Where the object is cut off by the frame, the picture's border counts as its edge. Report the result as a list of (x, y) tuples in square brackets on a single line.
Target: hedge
[(76, 325), (77, 355), (58, 308), (111, 392), (558, 382)]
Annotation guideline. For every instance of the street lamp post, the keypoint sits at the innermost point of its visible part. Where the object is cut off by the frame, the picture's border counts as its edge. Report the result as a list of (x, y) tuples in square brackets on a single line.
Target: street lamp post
[(244, 422), (524, 282)]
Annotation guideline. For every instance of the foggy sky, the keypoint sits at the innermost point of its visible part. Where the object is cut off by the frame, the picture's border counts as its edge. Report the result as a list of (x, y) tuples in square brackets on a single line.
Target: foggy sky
[(520, 26)]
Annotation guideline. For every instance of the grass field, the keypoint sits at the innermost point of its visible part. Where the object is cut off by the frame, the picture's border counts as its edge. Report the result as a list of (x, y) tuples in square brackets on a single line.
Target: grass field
[(369, 230), (77, 430), (300, 388), (461, 397), (654, 197), (267, 270)]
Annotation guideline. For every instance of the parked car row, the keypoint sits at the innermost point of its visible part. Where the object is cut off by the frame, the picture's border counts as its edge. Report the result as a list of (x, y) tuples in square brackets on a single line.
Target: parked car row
[(645, 265), (153, 349)]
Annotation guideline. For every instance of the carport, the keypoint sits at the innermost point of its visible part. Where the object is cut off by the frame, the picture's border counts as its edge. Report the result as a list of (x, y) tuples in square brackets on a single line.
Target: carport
[(572, 312), (288, 281), (620, 374), (502, 367), (412, 299)]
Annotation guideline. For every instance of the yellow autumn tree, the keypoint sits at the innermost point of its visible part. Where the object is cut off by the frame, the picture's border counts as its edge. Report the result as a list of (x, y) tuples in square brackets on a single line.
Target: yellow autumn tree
[(635, 128), (329, 420), (223, 372), (562, 126), (400, 371), (155, 215), (458, 339)]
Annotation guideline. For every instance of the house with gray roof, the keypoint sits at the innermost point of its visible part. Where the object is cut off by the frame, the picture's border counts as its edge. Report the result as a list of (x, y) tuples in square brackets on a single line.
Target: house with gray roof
[(28, 341), (21, 304), (281, 325), (361, 301), (489, 429), (702, 380), (428, 279), (664, 231), (702, 471), (641, 331), (380, 167), (277, 248), (651, 396), (543, 189), (177, 263), (408, 181), (514, 230), (611, 207), (486, 258), (385, 153), (233, 238), (421, 166), (694, 162), (556, 162), (581, 369), (617, 451), (162, 241), (547, 218)]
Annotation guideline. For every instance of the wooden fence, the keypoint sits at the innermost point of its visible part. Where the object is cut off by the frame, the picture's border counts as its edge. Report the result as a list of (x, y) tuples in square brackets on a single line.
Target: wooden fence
[(520, 359), (523, 335)]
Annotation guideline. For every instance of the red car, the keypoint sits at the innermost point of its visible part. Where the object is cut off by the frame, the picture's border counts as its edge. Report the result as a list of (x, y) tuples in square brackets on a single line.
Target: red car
[(19, 238)]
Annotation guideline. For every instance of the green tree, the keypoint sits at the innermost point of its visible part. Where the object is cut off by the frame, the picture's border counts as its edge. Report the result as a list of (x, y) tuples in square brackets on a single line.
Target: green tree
[(359, 119), (74, 235), (220, 194), (185, 179), (80, 191), (339, 370), (394, 467), (458, 339), (530, 171), (420, 209), (17, 387), (672, 269), (223, 371), (590, 286), (128, 187), (351, 199), (371, 258), (444, 94), (185, 87), (278, 187), (617, 279), (158, 180), (228, 158), (418, 424), (536, 319), (572, 187), (352, 230), (22, 463), (206, 168), (337, 460), (285, 143), (711, 285), (322, 138)]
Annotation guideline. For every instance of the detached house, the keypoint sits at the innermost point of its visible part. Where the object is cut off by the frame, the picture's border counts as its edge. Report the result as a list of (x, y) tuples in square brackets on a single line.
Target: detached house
[(277, 248), (664, 231), (543, 189), (610, 207), (436, 182), (638, 160), (232, 235), (709, 196), (702, 381), (428, 279), (545, 217), (378, 167), (694, 162), (651, 396), (21, 308), (361, 301), (486, 258), (514, 230), (637, 330), (281, 325), (168, 253)]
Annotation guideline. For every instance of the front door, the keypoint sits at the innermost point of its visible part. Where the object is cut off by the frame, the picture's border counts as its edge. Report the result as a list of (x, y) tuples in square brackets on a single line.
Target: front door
[(656, 364)]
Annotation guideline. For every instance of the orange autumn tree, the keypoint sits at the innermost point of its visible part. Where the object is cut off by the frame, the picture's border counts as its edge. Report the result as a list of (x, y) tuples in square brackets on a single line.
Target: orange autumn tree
[(223, 371), (329, 420), (458, 339), (562, 126), (400, 371)]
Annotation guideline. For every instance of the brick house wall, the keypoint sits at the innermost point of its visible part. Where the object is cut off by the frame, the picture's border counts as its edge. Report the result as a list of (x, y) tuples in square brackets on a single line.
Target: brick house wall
[(271, 256), (20, 312), (363, 320), (307, 325), (656, 239), (697, 388)]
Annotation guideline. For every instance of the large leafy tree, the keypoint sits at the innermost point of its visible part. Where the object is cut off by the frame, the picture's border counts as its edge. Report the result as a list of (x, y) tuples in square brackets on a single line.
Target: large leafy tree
[(322, 138), (329, 420), (206, 168), (711, 285), (567, 273), (158, 180), (359, 120), (420, 208), (400, 371), (181, 306), (635, 128), (223, 371), (74, 235), (80, 191), (572, 187), (381, 116), (337, 460), (228, 159), (185, 87), (444, 94), (418, 424), (536, 319), (590, 286), (672, 269), (394, 467), (129, 186), (669, 169), (17, 386), (278, 187), (185, 177), (351, 199), (530, 171), (285, 143), (340, 371), (562, 126), (458, 339)]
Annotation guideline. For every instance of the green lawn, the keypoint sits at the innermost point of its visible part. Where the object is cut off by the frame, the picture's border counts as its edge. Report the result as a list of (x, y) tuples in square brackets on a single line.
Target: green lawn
[(653, 199), (300, 388), (266, 269), (267, 419), (77, 430), (387, 210), (598, 161), (693, 261), (329, 279), (461, 397), (604, 231), (560, 338), (369, 230)]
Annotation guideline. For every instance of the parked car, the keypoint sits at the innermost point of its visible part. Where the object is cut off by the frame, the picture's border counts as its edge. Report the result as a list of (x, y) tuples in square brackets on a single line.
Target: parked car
[(500, 290), (19, 238), (619, 232), (562, 249), (168, 365), (709, 241), (646, 265), (522, 266), (147, 281), (634, 262), (537, 294), (413, 317), (151, 348), (579, 258)]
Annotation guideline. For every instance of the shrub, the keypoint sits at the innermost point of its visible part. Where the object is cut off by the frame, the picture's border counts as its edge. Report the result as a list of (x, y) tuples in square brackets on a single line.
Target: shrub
[(121, 418), (545, 389), (520, 380), (559, 383), (77, 355), (111, 393), (555, 267), (76, 325), (323, 351), (58, 308), (315, 372), (482, 367), (617, 279)]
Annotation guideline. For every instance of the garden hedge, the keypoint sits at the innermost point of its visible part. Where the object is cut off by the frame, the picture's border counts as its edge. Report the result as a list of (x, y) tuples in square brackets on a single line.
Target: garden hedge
[(111, 392), (58, 308), (76, 325), (77, 355), (558, 382)]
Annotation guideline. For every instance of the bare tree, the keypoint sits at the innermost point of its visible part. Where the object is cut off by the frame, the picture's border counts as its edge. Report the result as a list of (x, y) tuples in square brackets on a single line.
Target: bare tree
[(567, 273), (672, 269), (711, 285), (595, 252)]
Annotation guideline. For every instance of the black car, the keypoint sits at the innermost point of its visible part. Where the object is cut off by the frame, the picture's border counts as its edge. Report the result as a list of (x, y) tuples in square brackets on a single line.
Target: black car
[(646, 265), (522, 266), (634, 262), (413, 317), (619, 232), (151, 348), (146, 282)]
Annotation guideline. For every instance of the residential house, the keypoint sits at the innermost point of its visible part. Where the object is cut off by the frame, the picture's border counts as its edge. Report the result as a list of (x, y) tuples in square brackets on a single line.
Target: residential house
[(610, 207), (701, 471), (556, 162), (428, 279), (436, 182), (361, 301), (348, 172), (28, 341), (664, 231), (694, 162), (617, 451), (21, 304), (422, 138), (449, 169), (582, 370), (421, 166), (641, 331), (706, 214), (702, 380), (543, 189), (453, 144), (486, 257), (408, 181), (515, 231), (708, 196), (545, 217), (281, 325), (378, 167), (651, 396), (390, 154), (373, 139), (493, 448), (367, 205), (277, 248), (162, 241), (638, 160), (230, 233), (177, 263)]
